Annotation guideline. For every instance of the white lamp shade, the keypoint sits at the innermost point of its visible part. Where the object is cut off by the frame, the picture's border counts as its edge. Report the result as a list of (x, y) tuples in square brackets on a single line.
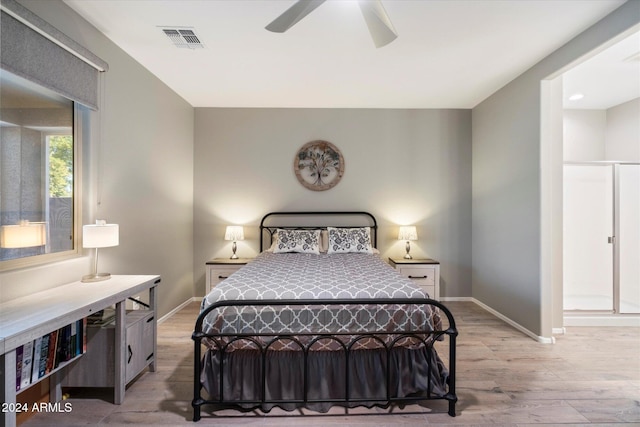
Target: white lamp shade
[(24, 235), (408, 233), (234, 232), (100, 235)]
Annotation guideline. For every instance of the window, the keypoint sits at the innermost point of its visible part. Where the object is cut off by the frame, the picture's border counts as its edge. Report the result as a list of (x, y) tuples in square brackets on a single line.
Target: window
[(37, 157)]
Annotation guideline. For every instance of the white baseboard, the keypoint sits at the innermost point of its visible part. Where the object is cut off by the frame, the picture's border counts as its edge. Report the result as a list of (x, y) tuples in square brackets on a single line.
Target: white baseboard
[(178, 308), (558, 331), (601, 320), (540, 339), (464, 299)]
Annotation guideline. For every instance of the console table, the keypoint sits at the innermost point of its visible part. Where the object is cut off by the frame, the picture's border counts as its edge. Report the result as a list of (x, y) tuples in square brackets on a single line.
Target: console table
[(24, 319)]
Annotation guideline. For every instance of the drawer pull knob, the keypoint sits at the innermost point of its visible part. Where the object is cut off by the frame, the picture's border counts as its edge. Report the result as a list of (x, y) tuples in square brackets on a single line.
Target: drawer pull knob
[(417, 277), (223, 277)]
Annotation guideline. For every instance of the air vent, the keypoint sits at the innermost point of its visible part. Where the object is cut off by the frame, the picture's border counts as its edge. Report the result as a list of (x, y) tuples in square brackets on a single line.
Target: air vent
[(184, 38)]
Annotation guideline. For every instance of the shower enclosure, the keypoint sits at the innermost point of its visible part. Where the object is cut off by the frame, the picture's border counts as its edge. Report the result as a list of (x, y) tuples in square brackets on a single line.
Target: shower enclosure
[(601, 237)]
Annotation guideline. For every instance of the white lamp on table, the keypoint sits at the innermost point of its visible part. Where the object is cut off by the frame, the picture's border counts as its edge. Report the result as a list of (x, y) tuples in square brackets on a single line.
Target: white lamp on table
[(95, 236), (26, 234), (234, 233), (408, 233)]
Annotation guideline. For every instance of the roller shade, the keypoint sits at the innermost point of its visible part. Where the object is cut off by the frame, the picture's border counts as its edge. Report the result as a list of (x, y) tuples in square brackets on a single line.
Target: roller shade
[(33, 49)]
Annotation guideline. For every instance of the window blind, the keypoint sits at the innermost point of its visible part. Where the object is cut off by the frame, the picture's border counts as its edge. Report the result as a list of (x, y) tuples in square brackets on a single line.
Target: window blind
[(35, 50)]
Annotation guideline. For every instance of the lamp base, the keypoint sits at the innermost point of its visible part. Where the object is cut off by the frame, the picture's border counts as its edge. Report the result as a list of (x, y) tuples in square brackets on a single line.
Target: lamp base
[(97, 277), (234, 247), (408, 248)]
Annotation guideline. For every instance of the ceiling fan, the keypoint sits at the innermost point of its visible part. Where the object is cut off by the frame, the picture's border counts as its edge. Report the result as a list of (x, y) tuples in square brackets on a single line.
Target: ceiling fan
[(380, 26)]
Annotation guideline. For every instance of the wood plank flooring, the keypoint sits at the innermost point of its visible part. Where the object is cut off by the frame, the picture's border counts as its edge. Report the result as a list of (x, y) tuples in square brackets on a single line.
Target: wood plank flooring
[(590, 377)]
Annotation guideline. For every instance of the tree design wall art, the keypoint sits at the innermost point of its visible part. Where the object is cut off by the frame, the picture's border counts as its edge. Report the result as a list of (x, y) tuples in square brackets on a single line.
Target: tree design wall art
[(319, 165)]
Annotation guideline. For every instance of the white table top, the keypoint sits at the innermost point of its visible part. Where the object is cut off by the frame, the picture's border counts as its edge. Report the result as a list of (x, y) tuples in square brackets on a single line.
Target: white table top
[(26, 318)]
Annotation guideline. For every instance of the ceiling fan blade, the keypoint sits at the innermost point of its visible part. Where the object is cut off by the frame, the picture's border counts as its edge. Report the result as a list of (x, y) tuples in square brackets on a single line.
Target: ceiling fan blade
[(291, 16), (380, 26)]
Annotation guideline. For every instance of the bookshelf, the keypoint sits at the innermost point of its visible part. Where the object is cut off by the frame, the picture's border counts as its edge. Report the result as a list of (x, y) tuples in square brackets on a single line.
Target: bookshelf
[(24, 320), (42, 357)]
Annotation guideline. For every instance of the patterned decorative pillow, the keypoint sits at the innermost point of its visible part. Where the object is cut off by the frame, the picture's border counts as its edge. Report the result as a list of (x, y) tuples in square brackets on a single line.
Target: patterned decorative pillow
[(302, 241), (345, 240)]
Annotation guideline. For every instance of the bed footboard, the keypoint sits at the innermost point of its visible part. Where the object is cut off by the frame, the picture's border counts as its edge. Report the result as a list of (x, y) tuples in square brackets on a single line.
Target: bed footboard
[(389, 345)]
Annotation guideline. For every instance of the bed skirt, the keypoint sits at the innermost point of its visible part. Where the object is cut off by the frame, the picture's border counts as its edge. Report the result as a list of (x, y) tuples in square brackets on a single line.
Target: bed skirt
[(369, 382)]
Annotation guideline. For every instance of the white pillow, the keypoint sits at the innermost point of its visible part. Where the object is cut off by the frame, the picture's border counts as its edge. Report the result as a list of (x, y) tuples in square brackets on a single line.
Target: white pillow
[(324, 241), (346, 240), (301, 241)]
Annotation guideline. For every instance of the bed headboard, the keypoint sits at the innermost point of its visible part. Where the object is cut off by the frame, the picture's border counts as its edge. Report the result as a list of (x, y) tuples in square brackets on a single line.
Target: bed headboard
[(310, 220)]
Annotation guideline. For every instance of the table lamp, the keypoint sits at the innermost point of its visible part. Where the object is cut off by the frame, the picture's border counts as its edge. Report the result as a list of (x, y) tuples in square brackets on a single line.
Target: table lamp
[(234, 233), (95, 236), (408, 233), (23, 235)]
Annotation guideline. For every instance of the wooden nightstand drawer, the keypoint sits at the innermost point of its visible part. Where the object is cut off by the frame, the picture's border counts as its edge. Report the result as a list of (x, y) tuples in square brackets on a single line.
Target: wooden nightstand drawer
[(424, 272), (217, 274), (219, 269), (424, 276)]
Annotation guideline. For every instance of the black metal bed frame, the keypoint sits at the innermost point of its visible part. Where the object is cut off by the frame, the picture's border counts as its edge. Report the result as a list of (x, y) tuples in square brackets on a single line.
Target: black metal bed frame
[(271, 229), (222, 341)]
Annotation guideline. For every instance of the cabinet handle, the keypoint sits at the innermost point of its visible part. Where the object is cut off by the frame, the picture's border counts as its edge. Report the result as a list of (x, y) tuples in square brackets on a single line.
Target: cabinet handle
[(130, 353), (150, 356), (150, 319), (223, 277), (417, 277)]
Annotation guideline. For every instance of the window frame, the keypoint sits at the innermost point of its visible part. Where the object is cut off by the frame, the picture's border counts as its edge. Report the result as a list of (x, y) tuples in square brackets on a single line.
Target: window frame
[(36, 260)]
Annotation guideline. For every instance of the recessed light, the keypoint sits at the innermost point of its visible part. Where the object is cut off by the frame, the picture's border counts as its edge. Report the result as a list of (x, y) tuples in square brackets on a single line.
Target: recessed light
[(576, 96)]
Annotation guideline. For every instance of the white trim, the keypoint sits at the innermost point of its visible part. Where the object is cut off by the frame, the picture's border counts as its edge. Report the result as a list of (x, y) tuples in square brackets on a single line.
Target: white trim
[(601, 320), (178, 308), (464, 299), (542, 340), (559, 331)]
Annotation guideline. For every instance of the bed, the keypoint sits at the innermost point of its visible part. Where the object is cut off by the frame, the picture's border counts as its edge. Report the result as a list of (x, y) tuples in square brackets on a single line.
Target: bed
[(318, 319)]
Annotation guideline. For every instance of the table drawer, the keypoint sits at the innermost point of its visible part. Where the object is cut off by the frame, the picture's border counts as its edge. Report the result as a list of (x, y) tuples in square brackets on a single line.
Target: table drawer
[(217, 273), (423, 276)]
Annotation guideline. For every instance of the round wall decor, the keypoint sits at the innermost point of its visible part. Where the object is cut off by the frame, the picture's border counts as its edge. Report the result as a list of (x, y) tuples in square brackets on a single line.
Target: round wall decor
[(319, 165)]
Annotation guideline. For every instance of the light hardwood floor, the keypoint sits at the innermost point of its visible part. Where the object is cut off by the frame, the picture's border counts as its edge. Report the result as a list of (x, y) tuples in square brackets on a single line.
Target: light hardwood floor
[(591, 376)]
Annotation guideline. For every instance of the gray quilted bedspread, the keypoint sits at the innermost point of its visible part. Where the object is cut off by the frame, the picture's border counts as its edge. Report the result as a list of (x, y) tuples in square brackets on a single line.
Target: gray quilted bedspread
[(318, 277)]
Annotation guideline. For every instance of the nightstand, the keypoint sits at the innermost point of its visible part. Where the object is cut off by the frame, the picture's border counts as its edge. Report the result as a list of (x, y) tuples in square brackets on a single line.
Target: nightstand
[(425, 272), (219, 269)]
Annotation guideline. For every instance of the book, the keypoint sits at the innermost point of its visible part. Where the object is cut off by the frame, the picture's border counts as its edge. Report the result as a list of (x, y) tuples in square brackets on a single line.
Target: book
[(19, 352), (84, 335), (27, 361), (42, 360), (65, 344), (51, 356), (37, 345), (73, 346)]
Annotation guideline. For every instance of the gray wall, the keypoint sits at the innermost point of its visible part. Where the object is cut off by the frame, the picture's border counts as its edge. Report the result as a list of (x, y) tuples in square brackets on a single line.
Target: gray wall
[(138, 172), (404, 166), (506, 181)]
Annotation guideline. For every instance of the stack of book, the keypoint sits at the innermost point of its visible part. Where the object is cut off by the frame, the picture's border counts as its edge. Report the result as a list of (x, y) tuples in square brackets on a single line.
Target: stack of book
[(41, 356)]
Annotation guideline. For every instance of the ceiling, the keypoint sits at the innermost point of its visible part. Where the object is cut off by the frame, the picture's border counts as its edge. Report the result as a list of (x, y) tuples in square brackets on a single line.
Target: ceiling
[(607, 79), (448, 54)]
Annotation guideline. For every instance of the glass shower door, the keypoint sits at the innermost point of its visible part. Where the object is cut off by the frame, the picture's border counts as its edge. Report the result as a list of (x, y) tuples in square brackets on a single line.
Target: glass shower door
[(628, 236), (587, 227)]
